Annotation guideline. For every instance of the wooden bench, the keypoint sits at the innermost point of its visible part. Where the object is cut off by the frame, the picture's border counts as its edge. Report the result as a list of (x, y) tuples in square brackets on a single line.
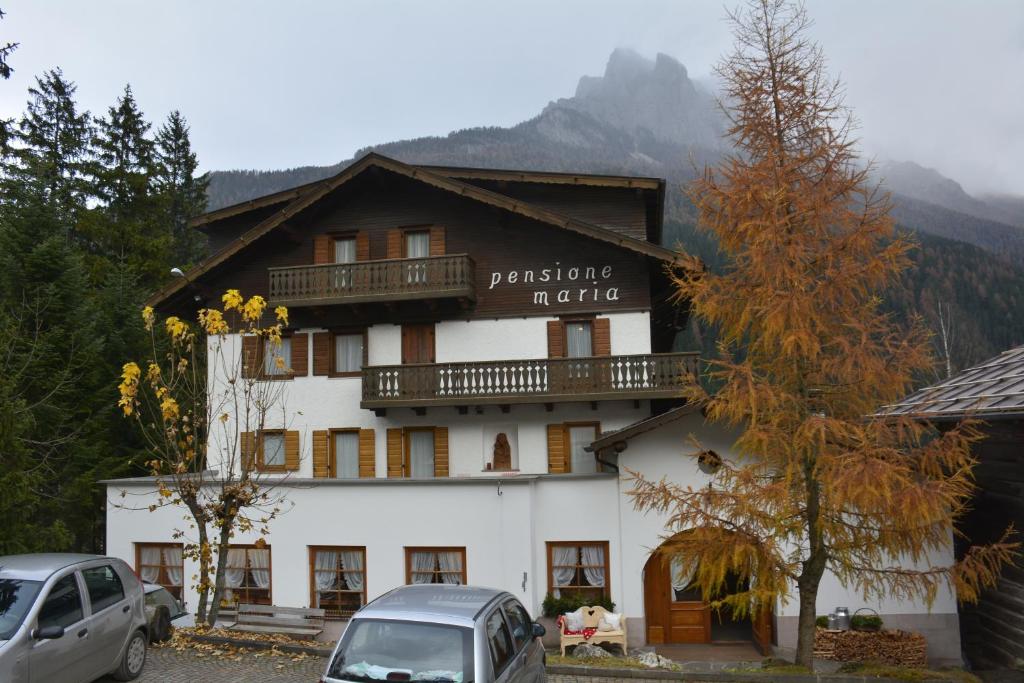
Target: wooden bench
[(591, 618), (300, 622)]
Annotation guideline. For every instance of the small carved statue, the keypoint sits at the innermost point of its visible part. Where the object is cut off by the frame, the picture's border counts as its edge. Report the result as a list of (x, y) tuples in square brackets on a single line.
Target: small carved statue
[(502, 453)]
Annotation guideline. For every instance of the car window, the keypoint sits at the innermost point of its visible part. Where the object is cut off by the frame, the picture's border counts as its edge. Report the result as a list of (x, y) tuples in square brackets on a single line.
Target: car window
[(519, 620), (104, 586), (499, 642), (391, 650), (16, 598), (162, 597), (63, 605)]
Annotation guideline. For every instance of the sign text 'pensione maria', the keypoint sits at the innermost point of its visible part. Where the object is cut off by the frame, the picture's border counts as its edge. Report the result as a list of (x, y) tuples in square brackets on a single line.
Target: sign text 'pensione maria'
[(561, 284)]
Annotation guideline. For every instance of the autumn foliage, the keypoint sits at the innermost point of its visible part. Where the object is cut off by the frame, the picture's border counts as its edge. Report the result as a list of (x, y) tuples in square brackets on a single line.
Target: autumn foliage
[(807, 359)]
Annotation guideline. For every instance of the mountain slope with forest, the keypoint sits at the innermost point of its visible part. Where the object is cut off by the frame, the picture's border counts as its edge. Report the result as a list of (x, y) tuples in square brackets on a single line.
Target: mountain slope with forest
[(649, 118)]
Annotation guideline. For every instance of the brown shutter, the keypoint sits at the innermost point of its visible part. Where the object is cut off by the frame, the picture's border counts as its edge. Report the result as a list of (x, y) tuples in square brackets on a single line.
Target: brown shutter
[(300, 355), (291, 451), (602, 337), (557, 462), (247, 447), (394, 244), (440, 451), (367, 453), (321, 353), (556, 339), (362, 246), (437, 240), (250, 356), (321, 453), (322, 249), (395, 468)]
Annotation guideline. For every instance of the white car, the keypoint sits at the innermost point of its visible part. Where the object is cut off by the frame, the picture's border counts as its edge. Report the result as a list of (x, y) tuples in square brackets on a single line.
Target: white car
[(70, 619)]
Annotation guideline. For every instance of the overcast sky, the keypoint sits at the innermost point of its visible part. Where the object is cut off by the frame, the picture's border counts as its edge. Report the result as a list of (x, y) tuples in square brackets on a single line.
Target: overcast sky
[(273, 85)]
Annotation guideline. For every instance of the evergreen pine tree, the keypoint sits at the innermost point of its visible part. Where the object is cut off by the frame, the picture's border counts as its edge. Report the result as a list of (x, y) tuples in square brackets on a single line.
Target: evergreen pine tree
[(5, 72), (182, 192)]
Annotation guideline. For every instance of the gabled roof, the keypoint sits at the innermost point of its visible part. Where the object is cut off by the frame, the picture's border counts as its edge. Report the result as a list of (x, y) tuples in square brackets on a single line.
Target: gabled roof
[(993, 389), (309, 195)]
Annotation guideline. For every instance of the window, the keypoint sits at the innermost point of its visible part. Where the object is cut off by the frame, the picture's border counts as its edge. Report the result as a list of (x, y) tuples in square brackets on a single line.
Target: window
[(345, 454), (338, 579), (578, 569), (578, 437), (104, 587), (435, 565), (419, 451), (579, 339), (63, 606), (277, 359), (417, 244), (270, 456), (519, 620), (247, 577), (345, 250), (160, 563), (349, 353), (499, 642)]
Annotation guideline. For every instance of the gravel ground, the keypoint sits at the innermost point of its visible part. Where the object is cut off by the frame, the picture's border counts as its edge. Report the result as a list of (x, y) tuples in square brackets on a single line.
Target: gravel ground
[(166, 665)]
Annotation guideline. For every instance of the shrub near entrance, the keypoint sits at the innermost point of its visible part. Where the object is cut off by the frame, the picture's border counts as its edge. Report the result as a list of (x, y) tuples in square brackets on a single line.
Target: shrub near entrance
[(553, 607)]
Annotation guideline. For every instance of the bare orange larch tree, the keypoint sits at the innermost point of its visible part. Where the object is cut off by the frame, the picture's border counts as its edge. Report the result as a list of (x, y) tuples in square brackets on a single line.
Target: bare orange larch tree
[(807, 358)]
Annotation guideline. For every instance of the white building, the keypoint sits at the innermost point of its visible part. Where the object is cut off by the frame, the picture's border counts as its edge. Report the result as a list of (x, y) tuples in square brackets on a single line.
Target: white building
[(464, 341)]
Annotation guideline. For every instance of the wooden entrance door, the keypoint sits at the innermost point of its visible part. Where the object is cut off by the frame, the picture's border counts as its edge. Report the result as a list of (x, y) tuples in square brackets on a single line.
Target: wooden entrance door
[(672, 620), (418, 343), (762, 628)]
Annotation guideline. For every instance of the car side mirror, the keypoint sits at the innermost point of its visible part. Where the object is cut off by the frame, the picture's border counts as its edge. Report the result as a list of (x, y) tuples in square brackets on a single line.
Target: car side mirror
[(538, 630), (48, 633)]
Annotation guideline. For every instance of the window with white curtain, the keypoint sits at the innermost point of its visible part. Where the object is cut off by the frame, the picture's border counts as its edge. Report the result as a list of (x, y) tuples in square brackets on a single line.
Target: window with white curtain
[(348, 353), (272, 450), (277, 358), (247, 576), (420, 446), (346, 455), (162, 564), (417, 244), (578, 569), (345, 250), (579, 339), (436, 565), (338, 579), (581, 436)]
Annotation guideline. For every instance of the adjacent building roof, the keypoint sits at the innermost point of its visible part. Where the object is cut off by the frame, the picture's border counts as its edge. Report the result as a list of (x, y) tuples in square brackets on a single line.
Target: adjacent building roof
[(295, 201), (993, 389), (620, 437)]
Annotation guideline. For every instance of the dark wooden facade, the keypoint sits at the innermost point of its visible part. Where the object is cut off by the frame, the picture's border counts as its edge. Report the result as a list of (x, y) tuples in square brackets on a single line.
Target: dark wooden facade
[(993, 630)]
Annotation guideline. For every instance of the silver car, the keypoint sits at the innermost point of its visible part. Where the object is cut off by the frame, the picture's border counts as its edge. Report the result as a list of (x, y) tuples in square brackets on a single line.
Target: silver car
[(435, 633), (70, 619)]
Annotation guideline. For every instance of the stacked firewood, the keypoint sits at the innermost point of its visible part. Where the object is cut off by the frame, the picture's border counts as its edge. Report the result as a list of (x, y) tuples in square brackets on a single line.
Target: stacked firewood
[(900, 648)]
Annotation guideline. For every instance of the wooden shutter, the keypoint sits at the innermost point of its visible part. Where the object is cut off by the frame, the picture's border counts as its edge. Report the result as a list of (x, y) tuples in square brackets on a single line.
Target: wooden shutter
[(321, 453), (300, 355), (362, 246), (247, 448), (437, 240), (322, 353), (291, 451), (395, 468), (440, 451), (322, 249), (394, 244), (557, 461), (602, 337), (251, 348), (367, 453), (556, 339)]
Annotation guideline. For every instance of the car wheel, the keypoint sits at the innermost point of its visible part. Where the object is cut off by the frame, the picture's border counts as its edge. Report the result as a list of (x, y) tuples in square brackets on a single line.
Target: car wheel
[(134, 658)]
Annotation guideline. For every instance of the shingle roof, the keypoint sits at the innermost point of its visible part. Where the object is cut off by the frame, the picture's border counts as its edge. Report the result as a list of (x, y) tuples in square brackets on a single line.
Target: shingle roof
[(994, 388)]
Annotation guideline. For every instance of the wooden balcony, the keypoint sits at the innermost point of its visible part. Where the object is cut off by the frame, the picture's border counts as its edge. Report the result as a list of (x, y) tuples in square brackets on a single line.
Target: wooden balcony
[(432, 277), (544, 380)]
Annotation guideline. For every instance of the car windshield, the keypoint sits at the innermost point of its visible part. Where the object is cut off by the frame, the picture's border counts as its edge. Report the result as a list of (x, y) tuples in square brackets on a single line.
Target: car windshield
[(160, 596), (16, 597), (387, 650)]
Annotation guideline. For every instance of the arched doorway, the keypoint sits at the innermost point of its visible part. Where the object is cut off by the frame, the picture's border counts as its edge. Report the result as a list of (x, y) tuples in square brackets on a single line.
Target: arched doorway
[(675, 612)]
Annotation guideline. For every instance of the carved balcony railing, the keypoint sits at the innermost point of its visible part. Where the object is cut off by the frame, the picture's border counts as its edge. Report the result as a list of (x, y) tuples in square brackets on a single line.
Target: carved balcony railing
[(543, 380), (432, 277)]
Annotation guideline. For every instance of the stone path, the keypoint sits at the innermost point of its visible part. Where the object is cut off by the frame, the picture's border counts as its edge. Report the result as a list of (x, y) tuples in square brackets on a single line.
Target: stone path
[(164, 665)]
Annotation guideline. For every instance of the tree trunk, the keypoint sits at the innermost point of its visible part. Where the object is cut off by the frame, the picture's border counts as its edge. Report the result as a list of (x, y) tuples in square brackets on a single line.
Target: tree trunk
[(806, 626), (204, 574), (223, 544)]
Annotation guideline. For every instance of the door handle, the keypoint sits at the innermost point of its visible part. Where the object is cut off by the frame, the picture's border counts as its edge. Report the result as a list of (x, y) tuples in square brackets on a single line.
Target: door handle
[(126, 608), (84, 632)]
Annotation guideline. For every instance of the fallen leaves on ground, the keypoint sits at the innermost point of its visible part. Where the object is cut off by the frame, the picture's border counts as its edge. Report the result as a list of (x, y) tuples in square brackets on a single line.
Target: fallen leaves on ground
[(182, 639)]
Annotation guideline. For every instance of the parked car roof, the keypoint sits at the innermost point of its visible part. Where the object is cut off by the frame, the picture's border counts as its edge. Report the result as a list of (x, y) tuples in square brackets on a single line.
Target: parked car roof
[(432, 602), (39, 566)]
